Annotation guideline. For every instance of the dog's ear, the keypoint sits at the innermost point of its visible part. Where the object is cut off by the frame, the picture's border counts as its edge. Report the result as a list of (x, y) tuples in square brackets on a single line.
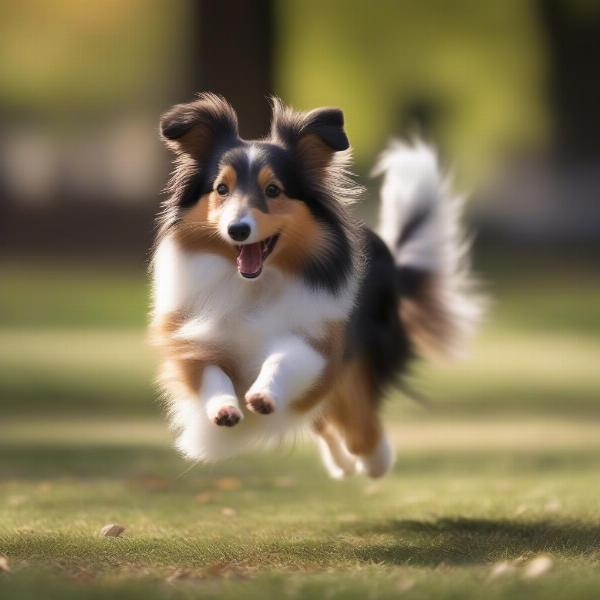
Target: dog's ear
[(314, 136), (197, 127)]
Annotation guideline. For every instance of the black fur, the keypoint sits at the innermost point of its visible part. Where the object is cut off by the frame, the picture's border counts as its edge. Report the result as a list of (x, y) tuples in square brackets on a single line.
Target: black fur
[(327, 123), (210, 114), (375, 333)]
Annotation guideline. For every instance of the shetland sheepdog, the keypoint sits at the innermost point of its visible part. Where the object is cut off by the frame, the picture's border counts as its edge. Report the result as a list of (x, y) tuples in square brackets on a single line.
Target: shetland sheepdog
[(274, 307)]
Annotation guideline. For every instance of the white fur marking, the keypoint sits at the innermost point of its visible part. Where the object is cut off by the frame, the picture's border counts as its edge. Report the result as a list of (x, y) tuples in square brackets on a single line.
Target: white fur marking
[(380, 461), (252, 154), (289, 371), (235, 212), (217, 391), (413, 185), (411, 181)]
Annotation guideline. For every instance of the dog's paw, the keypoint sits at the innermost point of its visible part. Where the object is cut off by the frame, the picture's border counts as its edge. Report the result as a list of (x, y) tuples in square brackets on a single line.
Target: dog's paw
[(260, 402), (228, 416)]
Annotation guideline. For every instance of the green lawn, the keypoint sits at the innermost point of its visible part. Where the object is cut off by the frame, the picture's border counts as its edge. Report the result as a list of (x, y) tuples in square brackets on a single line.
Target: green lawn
[(501, 466)]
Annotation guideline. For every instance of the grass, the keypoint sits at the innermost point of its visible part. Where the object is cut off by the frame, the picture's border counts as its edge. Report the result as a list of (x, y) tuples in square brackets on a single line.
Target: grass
[(501, 467)]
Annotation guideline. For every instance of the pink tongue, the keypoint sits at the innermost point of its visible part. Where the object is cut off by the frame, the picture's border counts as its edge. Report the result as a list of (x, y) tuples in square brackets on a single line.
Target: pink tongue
[(250, 259)]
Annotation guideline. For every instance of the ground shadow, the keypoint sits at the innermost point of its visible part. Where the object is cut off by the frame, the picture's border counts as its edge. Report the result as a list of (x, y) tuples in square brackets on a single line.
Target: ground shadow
[(469, 541)]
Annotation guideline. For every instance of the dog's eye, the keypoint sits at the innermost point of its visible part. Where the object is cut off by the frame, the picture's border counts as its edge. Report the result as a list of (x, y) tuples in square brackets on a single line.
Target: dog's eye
[(222, 189), (272, 191)]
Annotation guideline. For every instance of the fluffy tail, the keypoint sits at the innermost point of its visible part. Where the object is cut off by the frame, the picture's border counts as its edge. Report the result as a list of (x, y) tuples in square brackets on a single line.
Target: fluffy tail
[(420, 223)]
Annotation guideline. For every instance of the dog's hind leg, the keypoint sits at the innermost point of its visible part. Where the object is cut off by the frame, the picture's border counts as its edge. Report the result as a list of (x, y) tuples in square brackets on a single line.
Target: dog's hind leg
[(353, 411), (334, 454)]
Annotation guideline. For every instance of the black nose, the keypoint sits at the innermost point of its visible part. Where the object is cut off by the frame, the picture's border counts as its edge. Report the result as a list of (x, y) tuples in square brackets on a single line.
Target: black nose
[(239, 231)]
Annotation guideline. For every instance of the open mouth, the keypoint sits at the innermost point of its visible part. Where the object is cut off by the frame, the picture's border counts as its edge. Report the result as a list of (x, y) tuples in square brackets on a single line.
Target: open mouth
[(251, 257)]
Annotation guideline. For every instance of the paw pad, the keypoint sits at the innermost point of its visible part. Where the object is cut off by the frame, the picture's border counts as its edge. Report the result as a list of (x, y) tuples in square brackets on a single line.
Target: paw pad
[(260, 403), (228, 416)]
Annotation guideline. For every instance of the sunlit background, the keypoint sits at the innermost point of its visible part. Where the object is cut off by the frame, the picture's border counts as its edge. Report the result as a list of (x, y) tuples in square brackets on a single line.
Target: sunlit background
[(509, 92)]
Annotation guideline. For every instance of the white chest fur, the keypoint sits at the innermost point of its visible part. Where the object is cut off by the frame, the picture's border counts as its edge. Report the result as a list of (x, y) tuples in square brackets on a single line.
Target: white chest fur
[(244, 315), (248, 318)]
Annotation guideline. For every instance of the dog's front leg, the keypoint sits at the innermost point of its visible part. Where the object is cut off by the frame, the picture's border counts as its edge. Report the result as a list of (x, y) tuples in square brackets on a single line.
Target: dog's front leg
[(219, 397), (290, 369)]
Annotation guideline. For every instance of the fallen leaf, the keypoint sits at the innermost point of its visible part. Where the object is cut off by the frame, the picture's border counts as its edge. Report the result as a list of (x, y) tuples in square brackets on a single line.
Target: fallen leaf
[(112, 530), (228, 484), (538, 566), (504, 567), (4, 566), (229, 512)]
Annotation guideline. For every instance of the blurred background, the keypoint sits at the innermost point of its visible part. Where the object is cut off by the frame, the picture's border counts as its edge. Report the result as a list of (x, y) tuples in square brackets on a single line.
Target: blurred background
[(509, 91)]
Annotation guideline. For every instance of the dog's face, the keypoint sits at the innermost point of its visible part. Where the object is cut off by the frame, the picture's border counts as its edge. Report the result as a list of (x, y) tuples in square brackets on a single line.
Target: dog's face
[(259, 202)]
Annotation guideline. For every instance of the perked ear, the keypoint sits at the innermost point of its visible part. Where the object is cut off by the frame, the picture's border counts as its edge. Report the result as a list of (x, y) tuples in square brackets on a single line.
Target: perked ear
[(316, 135), (195, 128)]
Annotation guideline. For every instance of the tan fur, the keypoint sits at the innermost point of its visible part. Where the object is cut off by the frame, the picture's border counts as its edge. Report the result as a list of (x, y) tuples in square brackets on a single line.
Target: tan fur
[(161, 335), (162, 327), (300, 234), (351, 409), (228, 176), (347, 393), (266, 177), (180, 377), (315, 153), (196, 142), (177, 366), (200, 139), (183, 361), (197, 230)]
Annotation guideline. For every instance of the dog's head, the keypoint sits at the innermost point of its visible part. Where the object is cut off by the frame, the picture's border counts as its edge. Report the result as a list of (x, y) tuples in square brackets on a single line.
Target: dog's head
[(276, 201)]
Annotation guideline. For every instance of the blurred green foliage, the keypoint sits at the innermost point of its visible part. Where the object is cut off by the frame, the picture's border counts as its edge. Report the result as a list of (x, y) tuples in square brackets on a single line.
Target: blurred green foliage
[(478, 67), (472, 70), (60, 59)]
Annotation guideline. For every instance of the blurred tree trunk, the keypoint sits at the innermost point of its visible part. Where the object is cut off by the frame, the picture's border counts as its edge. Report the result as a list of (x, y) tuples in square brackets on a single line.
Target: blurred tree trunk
[(572, 34), (232, 55)]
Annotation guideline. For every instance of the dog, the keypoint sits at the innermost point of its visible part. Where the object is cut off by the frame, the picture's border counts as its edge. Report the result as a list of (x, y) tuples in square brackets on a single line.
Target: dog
[(275, 309)]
